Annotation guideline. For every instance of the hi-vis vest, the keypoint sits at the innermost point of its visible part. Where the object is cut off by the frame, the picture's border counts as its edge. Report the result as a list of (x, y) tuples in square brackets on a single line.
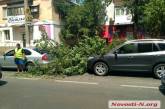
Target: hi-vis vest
[(18, 53)]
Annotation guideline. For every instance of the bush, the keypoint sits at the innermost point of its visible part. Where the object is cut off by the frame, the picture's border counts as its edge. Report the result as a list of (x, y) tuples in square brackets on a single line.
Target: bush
[(72, 60)]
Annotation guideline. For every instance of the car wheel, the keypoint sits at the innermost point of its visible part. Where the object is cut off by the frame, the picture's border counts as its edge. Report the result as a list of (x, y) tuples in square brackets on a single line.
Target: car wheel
[(0, 75), (101, 68), (0, 72), (159, 70), (29, 66)]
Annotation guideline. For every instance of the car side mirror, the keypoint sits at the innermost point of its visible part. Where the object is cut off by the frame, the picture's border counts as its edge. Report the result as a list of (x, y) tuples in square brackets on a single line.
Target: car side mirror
[(116, 53)]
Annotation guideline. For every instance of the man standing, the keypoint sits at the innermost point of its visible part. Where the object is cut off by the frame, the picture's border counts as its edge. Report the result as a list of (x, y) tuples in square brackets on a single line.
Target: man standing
[(19, 57)]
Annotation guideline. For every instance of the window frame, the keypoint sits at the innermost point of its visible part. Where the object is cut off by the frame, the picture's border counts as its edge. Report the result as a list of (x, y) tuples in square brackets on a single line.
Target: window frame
[(7, 38), (144, 47), (15, 11), (4, 9), (135, 44), (159, 46), (9, 52), (30, 53)]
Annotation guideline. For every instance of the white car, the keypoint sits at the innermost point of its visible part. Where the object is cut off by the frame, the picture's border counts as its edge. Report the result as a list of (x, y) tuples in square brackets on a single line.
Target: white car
[(7, 60)]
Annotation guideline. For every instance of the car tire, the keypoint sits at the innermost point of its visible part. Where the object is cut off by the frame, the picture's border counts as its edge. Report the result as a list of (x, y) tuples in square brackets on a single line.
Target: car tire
[(29, 66), (101, 68), (159, 70), (0, 72), (0, 75)]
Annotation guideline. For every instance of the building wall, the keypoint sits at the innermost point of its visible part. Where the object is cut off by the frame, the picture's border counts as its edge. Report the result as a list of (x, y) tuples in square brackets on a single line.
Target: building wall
[(47, 14), (118, 22), (47, 10), (2, 21), (110, 13)]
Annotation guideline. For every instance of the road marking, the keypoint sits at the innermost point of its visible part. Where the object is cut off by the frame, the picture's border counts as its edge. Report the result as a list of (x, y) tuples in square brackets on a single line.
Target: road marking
[(134, 86), (28, 78), (77, 82), (144, 83)]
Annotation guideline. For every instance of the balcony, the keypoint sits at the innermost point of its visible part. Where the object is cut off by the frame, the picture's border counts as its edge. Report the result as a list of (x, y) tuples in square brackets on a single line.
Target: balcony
[(122, 16)]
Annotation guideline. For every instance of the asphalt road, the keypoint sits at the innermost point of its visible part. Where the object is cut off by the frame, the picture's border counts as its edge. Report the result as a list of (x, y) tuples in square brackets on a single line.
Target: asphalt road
[(78, 92)]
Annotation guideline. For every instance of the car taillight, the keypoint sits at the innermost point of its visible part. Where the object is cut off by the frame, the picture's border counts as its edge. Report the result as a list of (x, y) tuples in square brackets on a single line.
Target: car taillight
[(45, 57)]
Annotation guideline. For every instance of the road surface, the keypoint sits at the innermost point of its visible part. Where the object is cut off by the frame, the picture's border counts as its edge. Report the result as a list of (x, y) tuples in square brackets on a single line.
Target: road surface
[(78, 92)]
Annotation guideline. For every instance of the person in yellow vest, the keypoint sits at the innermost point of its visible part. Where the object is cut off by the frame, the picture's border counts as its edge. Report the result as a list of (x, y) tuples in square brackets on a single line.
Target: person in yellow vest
[(19, 57)]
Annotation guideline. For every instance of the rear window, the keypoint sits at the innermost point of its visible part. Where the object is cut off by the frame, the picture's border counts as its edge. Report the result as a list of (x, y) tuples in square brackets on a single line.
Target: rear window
[(155, 48), (27, 52), (147, 47), (162, 46), (40, 51), (144, 47)]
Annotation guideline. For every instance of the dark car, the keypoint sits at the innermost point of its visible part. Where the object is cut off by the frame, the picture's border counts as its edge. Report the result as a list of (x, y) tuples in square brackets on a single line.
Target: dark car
[(0, 72), (163, 80), (135, 55)]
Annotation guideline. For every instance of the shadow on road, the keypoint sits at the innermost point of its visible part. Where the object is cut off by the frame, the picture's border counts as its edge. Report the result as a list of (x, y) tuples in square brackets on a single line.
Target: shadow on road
[(9, 69), (132, 74), (128, 74), (162, 89), (3, 82)]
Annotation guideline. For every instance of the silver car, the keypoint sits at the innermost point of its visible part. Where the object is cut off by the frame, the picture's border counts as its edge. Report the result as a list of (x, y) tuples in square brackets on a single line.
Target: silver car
[(7, 60)]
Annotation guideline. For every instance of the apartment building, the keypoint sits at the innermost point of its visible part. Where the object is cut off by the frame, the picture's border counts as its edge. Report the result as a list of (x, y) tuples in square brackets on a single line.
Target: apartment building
[(118, 21), (12, 21)]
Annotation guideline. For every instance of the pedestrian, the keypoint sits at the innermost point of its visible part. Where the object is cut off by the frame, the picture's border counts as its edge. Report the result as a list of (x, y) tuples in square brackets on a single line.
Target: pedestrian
[(19, 57)]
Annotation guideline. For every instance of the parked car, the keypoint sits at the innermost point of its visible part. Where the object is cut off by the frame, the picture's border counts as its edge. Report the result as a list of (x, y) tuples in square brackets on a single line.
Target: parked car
[(0, 72), (135, 55), (163, 80), (7, 60)]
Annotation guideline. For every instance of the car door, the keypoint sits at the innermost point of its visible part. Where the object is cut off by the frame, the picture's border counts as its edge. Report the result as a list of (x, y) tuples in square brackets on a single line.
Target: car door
[(124, 59), (28, 54), (145, 57), (9, 60)]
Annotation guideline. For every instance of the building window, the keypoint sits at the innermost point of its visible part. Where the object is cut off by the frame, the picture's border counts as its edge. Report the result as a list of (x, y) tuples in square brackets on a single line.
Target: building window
[(128, 12), (0, 36), (120, 11), (117, 11), (7, 34), (4, 12), (15, 11)]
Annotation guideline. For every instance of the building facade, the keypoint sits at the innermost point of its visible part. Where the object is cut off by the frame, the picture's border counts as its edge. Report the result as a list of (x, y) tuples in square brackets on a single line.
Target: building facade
[(118, 21), (12, 21)]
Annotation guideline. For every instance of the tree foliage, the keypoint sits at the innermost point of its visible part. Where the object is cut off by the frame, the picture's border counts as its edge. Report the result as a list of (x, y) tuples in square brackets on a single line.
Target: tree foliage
[(137, 9), (70, 61), (154, 18), (62, 7), (85, 20), (148, 15)]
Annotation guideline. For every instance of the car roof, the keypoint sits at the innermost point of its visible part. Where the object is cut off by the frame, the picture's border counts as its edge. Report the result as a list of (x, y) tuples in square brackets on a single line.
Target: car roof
[(146, 41), (30, 49)]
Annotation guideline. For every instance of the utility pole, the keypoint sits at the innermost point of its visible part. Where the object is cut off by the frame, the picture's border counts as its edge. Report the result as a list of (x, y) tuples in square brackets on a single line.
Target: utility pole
[(26, 8)]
